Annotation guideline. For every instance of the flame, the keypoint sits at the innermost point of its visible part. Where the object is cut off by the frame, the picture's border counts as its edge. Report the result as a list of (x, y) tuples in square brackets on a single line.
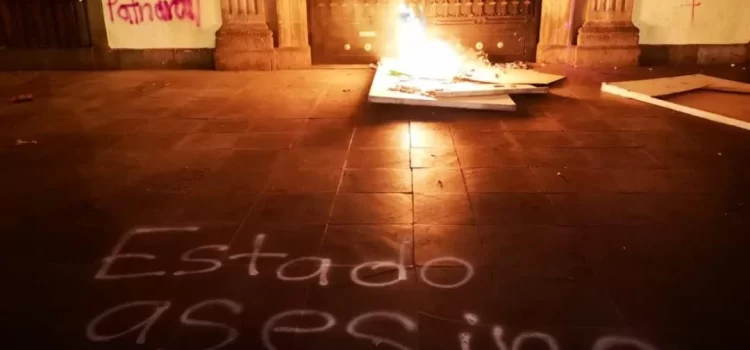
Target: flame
[(422, 54)]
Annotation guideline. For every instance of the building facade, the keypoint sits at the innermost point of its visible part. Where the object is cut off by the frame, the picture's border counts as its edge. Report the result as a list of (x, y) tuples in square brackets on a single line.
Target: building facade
[(288, 34)]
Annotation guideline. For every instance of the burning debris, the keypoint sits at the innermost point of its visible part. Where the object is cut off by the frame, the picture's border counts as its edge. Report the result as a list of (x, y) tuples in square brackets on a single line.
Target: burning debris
[(425, 69)]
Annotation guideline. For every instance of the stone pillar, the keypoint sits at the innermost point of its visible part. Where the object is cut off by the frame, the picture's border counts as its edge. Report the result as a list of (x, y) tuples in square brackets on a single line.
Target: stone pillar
[(608, 37), (294, 46), (244, 41)]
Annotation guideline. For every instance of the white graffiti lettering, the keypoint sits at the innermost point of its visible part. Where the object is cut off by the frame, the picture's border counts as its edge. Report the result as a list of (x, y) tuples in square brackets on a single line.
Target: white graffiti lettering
[(215, 264), (322, 272), (429, 264), (159, 307), (232, 333), (252, 268), (270, 325), (406, 322)]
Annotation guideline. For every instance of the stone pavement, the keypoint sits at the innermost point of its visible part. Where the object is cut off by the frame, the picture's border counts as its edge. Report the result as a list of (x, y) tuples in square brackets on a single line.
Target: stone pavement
[(277, 210)]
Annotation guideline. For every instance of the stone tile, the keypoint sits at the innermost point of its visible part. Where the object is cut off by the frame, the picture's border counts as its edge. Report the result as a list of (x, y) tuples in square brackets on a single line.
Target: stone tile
[(574, 180), (351, 245), (392, 135), (485, 138), (308, 180), (661, 140), (476, 124), (311, 158), (278, 125), (232, 209), (326, 133), (434, 158), (432, 243), (490, 157), (593, 139), (297, 208), (442, 209), (378, 158), (543, 139), (690, 158), (438, 180), (531, 124), (622, 158), (639, 124), (267, 140), (209, 141), (121, 126), (556, 301), (673, 180), (244, 161), (431, 135), (225, 126), (438, 284), (583, 123), (602, 209), (275, 240), (159, 141), (559, 157), (171, 125), (489, 180), (513, 208), (376, 180), (377, 208), (343, 299), (535, 250)]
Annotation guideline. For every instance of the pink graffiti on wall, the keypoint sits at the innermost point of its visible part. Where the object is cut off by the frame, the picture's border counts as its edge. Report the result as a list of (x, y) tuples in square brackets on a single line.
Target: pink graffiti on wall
[(140, 11)]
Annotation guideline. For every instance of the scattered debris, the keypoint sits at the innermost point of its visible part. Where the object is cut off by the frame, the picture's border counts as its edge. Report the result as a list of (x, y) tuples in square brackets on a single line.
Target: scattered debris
[(20, 142), (22, 98), (440, 183), (346, 90)]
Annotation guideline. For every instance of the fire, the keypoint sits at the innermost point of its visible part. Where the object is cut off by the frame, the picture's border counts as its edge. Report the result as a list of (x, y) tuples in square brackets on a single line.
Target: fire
[(422, 54)]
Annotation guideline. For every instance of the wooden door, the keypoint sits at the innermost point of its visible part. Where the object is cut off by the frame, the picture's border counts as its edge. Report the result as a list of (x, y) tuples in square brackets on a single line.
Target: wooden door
[(44, 24), (357, 31)]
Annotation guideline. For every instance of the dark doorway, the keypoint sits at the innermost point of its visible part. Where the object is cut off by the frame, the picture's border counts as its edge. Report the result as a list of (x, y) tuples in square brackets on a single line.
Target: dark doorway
[(44, 24)]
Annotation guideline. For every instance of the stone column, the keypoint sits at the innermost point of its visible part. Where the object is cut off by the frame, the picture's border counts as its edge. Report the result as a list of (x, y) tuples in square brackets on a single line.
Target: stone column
[(294, 48), (244, 41), (608, 37)]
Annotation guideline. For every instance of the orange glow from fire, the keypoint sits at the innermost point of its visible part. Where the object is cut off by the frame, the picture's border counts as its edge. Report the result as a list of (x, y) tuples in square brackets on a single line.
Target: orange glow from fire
[(422, 54)]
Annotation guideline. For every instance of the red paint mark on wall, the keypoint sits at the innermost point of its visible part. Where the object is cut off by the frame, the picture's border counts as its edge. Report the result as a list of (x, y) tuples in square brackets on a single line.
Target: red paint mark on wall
[(693, 4), (140, 11)]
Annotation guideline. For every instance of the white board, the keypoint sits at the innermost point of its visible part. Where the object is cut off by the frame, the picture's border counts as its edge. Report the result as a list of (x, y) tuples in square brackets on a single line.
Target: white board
[(382, 83), (616, 89), (464, 89), (675, 85)]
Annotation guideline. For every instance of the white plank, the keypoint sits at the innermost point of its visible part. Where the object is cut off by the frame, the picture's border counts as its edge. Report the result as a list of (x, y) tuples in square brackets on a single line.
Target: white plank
[(619, 91), (674, 85), (466, 89), (380, 93), (663, 86), (515, 76), (719, 84)]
